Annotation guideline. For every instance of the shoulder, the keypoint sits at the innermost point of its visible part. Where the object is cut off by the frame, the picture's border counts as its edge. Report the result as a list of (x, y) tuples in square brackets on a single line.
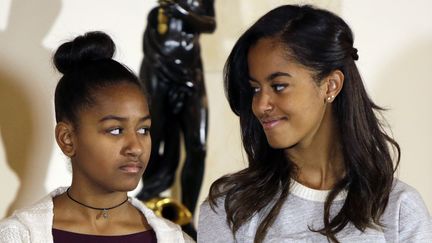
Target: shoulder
[(166, 231), (401, 188), (151, 217), (213, 224), (405, 197), (40, 211), (35, 219), (12, 230), (406, 217), (210, 212)]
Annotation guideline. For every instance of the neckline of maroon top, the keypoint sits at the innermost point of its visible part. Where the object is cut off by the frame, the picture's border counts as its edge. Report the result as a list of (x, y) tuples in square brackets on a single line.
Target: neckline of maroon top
[(63, 236)]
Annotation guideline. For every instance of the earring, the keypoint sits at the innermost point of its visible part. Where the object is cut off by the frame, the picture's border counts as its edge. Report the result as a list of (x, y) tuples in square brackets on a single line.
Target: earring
[(330, 98)]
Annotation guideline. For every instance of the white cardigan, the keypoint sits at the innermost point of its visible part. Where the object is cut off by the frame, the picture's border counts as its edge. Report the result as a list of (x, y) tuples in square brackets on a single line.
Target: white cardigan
[(34, 224)]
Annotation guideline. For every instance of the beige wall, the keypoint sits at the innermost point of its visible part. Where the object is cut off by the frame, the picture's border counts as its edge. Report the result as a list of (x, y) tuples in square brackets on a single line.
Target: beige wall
[(394, 39)]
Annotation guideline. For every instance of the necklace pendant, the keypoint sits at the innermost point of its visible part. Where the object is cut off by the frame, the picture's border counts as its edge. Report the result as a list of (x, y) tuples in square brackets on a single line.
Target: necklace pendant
[(105, 213)]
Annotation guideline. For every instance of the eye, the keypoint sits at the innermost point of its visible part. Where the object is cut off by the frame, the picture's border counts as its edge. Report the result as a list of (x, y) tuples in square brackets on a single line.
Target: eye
[(255, 89), (115, 131), (144, 131), (279, 87)]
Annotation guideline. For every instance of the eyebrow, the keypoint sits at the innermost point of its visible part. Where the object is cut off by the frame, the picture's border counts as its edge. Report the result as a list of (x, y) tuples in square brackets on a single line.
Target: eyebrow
[(121, 119), (273, 76)]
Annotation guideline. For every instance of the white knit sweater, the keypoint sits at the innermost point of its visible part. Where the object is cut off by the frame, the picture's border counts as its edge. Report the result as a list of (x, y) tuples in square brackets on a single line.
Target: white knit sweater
[(34, 224), (406, 219)]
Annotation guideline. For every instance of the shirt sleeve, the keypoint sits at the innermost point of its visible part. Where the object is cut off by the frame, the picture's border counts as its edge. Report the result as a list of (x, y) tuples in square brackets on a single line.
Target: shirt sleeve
[(12, 232), (415, 222), (212, 225)]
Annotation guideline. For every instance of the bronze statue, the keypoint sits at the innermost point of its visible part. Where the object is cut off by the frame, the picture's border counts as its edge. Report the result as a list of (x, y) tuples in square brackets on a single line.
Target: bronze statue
[(173, 74)]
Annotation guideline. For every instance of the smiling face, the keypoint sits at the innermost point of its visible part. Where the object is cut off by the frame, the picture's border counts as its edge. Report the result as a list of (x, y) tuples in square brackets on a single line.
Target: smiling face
[(112, 144), (287, 101)]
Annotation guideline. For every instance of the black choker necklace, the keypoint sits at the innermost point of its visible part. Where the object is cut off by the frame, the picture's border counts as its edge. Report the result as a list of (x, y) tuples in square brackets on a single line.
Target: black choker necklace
[(104, 210)]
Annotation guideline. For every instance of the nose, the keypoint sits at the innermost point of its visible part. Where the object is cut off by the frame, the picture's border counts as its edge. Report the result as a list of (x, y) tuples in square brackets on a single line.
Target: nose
[(134, 147), (263, 103)]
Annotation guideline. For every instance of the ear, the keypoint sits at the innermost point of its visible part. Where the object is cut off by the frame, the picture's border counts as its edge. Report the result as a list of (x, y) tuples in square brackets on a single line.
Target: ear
[(334, 83), (64, 134)]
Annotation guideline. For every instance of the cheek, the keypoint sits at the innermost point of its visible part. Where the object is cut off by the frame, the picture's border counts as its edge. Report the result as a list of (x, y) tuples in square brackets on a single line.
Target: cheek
[(146, 146), (102, 154), (254, 107), (86, 146), (312, 111), (311, 98)]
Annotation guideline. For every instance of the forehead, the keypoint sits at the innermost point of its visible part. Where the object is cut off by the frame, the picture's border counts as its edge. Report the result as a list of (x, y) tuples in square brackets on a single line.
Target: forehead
[(269, 55), (123, 99), (270, 43), (268, 52)]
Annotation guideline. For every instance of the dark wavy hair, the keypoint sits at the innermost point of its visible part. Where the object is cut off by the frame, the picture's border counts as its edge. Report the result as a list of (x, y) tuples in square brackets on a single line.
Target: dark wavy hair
[(87, 66), (323, 42)]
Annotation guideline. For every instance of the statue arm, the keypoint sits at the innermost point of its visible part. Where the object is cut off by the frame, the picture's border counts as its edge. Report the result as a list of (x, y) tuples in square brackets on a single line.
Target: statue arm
[(205, 23)]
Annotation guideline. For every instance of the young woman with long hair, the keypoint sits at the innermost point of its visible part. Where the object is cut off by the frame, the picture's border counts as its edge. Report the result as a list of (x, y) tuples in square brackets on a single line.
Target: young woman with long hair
[(321, 165)]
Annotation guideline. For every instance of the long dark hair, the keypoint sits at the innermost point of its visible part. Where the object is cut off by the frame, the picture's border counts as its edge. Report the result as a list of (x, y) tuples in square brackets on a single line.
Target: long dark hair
[(87, 65), (322, 41)]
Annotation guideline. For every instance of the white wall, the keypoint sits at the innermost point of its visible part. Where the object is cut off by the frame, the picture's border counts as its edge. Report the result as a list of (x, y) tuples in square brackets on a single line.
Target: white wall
[(394, 39)]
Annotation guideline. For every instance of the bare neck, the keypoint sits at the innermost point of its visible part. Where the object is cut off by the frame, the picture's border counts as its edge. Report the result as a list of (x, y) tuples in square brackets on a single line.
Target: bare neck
[(320, 161), (73, 217)]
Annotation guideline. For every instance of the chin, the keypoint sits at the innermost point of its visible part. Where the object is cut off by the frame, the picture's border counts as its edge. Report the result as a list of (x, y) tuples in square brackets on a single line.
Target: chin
[(278, 144), (128, 186)]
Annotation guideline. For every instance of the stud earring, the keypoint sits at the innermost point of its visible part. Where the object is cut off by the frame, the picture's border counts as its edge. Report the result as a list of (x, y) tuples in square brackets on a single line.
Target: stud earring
[(330, 98)]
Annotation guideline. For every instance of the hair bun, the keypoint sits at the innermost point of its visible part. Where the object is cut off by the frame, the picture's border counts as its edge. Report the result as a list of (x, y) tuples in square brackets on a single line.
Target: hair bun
[(91, 46), (354, 54)]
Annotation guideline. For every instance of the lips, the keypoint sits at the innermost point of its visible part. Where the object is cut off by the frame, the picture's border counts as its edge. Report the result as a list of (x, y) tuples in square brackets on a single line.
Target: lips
[(271, 122), (131, 168)]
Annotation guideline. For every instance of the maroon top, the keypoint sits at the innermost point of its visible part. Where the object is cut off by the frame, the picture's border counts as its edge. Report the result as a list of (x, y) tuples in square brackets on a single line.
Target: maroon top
[(62, 236)]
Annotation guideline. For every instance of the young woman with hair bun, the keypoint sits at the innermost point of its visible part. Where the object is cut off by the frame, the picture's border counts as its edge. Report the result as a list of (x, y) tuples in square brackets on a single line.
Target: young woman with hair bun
[(103, 124)]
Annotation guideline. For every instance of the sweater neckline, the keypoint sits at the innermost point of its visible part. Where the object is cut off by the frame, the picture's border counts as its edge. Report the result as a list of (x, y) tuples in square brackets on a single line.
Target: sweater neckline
[(311, 194)]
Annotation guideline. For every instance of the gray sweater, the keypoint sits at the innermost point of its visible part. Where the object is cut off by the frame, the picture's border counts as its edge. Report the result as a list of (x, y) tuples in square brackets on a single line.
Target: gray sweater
[(406, 219)]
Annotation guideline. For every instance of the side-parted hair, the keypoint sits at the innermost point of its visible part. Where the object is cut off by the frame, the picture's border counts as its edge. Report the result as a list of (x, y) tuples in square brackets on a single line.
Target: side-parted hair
[(87, 66), (323, 42)]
